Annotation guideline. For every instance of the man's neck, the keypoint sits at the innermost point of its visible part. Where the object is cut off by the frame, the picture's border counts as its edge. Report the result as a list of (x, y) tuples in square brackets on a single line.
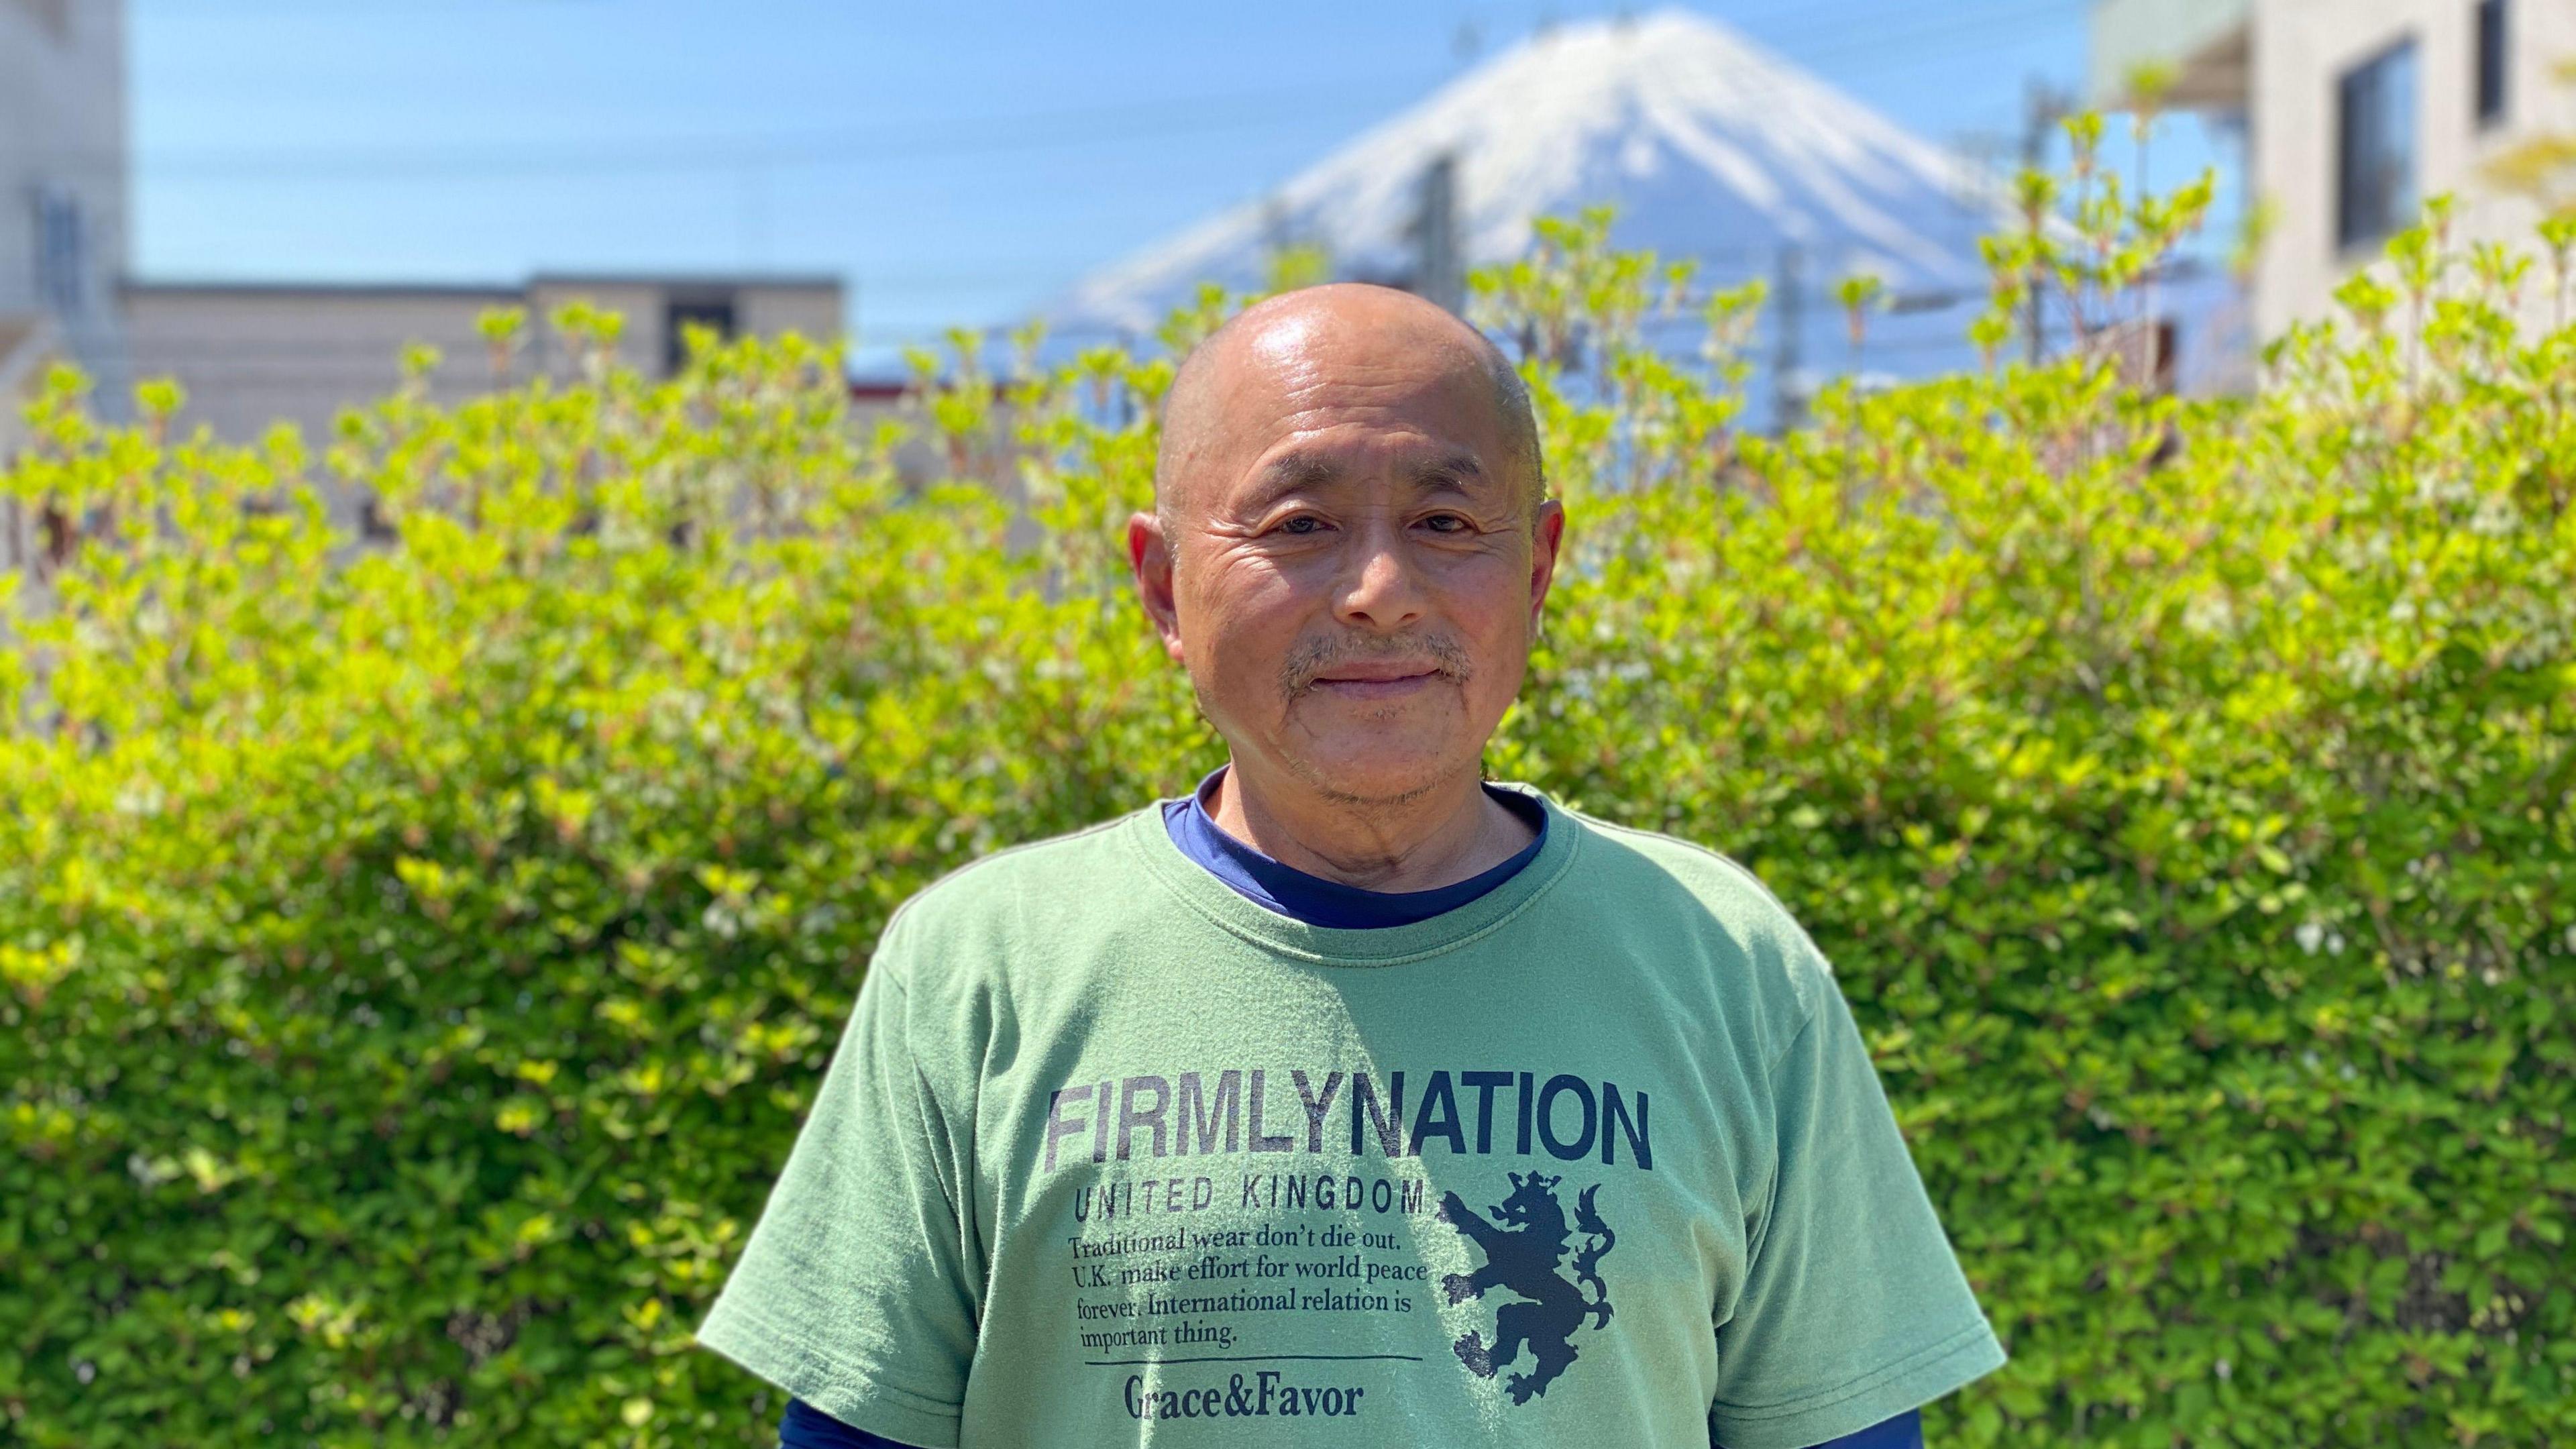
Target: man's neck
[(1437, 838)]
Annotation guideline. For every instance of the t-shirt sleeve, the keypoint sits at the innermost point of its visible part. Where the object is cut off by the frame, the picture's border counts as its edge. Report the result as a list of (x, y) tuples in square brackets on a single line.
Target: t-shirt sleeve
[(854, 1292), (1853, 1308)]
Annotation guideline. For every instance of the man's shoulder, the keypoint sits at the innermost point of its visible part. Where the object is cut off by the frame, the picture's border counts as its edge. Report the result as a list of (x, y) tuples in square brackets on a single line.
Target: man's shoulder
[(1668, 878), (1034, 885), (1639, 857)]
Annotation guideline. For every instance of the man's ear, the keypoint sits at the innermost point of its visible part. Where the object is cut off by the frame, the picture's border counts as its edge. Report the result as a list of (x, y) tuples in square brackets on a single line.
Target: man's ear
[(1545, 541), (1149, 555)]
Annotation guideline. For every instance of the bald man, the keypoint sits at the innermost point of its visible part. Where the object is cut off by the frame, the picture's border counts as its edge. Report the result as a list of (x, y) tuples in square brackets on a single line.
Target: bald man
[(1353, 1098)]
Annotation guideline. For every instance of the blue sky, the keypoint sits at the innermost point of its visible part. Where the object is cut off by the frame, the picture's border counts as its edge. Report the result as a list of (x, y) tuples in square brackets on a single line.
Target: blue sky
[(954, 163)]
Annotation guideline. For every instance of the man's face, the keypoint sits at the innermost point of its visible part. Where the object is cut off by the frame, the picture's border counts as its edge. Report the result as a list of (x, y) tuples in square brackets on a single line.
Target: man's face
[(1357, 584)]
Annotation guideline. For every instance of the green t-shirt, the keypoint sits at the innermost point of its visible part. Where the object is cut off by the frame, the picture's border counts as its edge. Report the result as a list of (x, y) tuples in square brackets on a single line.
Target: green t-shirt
[(1111, 1154)]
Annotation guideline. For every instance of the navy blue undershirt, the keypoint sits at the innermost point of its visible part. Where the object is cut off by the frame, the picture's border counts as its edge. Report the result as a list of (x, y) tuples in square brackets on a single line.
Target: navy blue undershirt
[(1319, 902)]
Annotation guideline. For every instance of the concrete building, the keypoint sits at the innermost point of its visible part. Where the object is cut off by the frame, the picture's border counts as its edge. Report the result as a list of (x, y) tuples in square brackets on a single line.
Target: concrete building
[(253, 354), (2355, 111), (63, 203)]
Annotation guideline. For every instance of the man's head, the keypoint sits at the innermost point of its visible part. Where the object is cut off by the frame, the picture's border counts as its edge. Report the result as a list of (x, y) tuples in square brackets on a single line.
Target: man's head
[(1349, 488)]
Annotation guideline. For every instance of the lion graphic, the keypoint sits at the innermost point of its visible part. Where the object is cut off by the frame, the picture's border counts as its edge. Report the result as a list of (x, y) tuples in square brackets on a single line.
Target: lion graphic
[(1523, 1246)]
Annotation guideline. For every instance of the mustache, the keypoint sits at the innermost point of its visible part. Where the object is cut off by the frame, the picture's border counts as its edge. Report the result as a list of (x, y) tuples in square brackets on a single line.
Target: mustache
[(1322, 656)]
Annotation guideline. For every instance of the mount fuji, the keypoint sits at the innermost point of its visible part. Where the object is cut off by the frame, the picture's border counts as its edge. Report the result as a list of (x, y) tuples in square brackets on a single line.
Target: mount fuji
[(1708, 146)]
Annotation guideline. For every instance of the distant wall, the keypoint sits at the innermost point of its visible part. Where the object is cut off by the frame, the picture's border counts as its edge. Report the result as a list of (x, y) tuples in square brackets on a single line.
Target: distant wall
[(252, 356)]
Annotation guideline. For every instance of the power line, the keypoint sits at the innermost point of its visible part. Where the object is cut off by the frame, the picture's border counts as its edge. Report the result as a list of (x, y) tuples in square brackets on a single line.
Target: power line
[(986, 136), (990, 135), (1788, 295), (1034, 130)]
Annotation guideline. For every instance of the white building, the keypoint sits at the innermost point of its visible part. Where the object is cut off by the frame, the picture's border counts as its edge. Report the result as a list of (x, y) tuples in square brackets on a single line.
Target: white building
[(63, 202), (2355, 111)]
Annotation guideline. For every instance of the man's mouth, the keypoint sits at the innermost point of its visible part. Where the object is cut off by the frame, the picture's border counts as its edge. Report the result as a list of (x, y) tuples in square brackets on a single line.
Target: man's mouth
[(1376, 681)]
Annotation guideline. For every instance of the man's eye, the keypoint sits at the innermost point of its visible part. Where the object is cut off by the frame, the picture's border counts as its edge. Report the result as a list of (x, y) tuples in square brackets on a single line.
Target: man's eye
[(1291, 525), (1463, 524)]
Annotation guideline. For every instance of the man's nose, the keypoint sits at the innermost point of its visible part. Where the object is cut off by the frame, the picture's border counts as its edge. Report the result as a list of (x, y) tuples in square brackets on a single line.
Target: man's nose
[(1378, 584)]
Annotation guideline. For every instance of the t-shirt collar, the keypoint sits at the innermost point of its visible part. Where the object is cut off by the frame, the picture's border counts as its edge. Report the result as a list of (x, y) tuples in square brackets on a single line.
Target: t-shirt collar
[(1148, 836), (1308, 897)]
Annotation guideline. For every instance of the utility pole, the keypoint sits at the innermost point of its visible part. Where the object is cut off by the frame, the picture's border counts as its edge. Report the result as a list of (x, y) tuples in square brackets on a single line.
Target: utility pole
[(2043, 107), (1439, 268), (1788, 407)]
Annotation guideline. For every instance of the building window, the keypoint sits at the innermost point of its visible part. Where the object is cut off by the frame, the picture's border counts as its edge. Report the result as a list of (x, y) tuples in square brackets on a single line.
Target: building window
[(2493, 41), (2375, 147), (62, 265), (680, 313)]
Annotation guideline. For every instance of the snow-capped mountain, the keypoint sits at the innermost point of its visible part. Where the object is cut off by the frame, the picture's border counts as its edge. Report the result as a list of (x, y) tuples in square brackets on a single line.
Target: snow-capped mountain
[(1707, 144)]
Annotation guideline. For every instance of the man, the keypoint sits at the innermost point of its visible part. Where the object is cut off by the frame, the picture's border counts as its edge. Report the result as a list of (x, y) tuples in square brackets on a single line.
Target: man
[(1357, 1099)]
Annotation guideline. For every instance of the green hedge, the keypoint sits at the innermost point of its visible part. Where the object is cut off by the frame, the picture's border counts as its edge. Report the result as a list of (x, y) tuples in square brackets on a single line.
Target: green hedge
[(413, 967)]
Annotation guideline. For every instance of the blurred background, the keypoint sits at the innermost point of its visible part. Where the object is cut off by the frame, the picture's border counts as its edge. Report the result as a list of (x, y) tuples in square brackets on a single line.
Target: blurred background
[(266, 198), (411, 976)]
